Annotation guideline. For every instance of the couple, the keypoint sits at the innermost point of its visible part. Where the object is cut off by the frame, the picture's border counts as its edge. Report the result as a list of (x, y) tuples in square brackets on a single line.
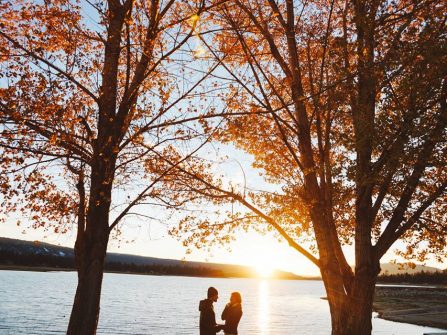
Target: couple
[(231, 314)]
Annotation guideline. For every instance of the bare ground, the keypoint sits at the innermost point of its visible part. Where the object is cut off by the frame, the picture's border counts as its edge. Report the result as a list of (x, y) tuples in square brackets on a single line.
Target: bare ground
[(424, 306)]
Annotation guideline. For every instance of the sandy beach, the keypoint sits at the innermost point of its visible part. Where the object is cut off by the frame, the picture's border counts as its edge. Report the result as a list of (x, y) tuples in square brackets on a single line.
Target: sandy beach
[(424, 306)]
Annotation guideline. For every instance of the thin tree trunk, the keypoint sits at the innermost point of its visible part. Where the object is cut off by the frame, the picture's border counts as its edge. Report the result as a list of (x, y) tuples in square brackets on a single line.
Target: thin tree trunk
[(91, 249), (85, 311)]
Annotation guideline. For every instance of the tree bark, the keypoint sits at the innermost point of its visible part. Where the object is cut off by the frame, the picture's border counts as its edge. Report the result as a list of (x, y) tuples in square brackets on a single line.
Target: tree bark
[(85, 311), (91, 246), (351, 314)]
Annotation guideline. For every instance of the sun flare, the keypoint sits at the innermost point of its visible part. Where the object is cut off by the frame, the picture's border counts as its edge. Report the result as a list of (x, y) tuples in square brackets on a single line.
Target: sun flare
[(264, 271)]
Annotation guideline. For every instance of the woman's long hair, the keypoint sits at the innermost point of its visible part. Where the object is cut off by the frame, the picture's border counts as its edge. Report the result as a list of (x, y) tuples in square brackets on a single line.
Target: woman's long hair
[(237, 297)]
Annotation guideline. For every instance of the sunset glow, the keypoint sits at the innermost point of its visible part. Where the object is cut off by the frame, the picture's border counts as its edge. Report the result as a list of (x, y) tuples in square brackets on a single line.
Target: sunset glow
[(264, 271)]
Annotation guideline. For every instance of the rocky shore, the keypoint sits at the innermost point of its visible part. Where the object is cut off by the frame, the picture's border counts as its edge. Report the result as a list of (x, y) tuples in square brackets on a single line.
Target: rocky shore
[(424, 306)]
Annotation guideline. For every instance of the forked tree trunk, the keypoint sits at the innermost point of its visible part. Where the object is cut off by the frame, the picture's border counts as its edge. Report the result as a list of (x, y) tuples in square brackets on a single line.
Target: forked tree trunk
[(90, 250)]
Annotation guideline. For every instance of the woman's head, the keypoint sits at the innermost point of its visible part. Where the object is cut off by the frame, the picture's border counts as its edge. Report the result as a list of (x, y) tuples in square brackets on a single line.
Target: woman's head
[(236, 298)]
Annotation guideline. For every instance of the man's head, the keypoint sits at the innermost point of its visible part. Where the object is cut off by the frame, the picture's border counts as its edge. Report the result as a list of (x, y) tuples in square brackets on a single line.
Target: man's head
[(213, 294)]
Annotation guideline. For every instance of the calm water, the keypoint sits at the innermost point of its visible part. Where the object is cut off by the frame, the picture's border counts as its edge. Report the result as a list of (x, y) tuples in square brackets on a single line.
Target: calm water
[(40, 303)]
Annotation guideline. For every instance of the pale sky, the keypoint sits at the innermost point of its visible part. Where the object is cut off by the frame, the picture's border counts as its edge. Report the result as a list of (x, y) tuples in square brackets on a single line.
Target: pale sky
[(151, 239), (249, 249)]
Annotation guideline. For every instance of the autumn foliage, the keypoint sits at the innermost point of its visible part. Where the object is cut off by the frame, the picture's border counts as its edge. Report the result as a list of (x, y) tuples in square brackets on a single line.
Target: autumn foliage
[(346, 117), (92, 95)]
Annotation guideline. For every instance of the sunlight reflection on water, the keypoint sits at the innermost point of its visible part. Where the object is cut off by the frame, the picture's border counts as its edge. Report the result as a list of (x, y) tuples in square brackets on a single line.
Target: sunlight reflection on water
[(263, 307)]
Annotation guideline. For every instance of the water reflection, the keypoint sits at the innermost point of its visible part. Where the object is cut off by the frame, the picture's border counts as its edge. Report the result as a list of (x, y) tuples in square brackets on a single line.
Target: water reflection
[(161, 305), (263, 307)]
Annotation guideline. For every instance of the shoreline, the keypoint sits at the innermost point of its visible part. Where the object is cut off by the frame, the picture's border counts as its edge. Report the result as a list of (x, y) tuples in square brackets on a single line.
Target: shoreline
[(33, 268), (56, 269), (422, 305)]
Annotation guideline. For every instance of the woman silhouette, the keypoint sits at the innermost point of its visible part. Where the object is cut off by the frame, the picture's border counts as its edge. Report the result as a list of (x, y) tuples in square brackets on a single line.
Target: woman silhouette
[(232, 314)]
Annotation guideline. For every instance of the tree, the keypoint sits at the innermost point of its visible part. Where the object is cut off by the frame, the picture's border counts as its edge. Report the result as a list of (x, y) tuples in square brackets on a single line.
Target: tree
[(89, 101), (353, 134)]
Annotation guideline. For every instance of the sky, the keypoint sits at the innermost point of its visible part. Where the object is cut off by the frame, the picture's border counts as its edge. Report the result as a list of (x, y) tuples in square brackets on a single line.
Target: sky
[(252, 249), (249, 249), (151, 239)]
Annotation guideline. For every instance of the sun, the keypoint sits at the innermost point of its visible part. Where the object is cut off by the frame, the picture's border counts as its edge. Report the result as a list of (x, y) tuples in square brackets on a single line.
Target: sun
[(264, 271), (266, 257)]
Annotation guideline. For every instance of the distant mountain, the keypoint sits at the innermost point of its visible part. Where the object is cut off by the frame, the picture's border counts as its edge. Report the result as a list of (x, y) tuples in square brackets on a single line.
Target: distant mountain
[(420, 275), (43, 255), (392, 268)]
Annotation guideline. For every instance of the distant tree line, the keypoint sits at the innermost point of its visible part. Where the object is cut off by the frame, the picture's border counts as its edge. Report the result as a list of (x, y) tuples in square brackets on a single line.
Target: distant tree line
[(156, 269), (8, 257), (423, 277), (60, 262)]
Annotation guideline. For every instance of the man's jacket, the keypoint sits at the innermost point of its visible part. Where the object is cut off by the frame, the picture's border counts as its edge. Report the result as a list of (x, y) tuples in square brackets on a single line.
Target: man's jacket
[(208, 324)]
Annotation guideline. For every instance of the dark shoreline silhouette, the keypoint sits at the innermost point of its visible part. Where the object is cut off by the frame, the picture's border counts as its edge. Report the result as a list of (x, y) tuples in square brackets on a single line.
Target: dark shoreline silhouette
[(31, 256), (36, 256), (423, 277)]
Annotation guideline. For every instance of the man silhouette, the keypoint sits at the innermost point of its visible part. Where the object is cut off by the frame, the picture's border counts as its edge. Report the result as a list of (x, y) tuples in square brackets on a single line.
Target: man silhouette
[(208, 325)]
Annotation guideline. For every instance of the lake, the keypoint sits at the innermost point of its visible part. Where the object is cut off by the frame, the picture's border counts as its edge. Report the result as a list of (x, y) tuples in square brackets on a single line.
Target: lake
[(40, 303)]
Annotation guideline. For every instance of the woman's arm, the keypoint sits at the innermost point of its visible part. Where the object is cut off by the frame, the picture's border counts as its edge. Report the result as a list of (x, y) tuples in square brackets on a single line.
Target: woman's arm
[(225, 312)]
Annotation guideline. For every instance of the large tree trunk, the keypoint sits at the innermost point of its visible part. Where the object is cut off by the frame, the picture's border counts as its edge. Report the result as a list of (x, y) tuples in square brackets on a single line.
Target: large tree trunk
[(351, 314)]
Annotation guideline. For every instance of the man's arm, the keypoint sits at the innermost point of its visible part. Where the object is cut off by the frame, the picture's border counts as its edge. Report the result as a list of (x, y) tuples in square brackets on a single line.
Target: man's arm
[(209, 318)]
